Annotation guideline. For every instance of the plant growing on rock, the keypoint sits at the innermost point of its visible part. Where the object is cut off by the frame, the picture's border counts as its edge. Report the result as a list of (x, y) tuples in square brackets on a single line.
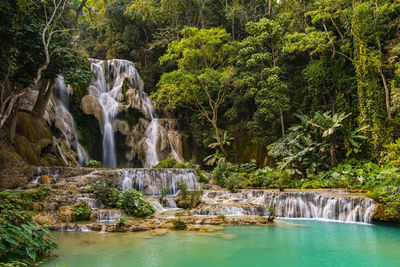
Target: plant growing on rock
[(179, 224), (166, 164), (188, 199), (82, 211), (107, 194), (93, 164), (132, 203)]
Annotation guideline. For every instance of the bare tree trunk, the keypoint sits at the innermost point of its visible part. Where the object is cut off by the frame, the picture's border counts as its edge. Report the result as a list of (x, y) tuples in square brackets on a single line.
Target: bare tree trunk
[(333, 155), (282, 123), (42, 100), (13, 120), (220, 141), (269, 7), (387, 96)]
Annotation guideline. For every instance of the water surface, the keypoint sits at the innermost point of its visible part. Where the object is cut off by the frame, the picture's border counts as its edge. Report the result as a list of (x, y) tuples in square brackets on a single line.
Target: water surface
[(306, 243)]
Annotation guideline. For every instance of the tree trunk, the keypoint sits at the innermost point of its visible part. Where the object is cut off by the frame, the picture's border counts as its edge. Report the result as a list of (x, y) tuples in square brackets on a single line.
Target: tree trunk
[(269, 7), (13, 120), (282, 123), (387, 95), (220, 142), (45, 90), (79, 12), (333, 155)]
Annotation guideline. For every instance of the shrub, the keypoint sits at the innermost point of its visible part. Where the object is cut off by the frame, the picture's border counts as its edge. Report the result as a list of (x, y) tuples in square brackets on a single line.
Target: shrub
[(82, 211), (93, 164), (179, 165), (23, 242), (188, 199), (132, 203), (26, 242), (166, 164), (179, 224), (107, 194), (283, 180)]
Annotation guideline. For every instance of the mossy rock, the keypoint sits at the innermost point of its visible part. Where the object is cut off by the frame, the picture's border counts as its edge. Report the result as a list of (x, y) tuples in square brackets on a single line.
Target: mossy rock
[(45, 179), (66, 214), (33, 129), (13, 169), (25, 149)]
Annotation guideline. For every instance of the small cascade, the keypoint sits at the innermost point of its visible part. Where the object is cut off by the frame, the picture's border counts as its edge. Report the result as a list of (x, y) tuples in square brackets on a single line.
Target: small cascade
[(108, 215), (155, 181), (93, 203), (118, 87), (302, 205), (65, 122), (38, 174)]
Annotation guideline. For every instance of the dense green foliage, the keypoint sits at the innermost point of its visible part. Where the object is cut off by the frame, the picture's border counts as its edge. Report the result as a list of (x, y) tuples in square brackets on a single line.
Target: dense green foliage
[(82, 211), (132, 203), (21, 240), (129, 200)]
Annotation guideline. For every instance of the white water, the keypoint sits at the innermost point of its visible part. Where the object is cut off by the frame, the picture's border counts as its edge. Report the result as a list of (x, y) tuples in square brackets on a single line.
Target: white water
[(107, 87), (301, 205), (65, 122), (153, 181)]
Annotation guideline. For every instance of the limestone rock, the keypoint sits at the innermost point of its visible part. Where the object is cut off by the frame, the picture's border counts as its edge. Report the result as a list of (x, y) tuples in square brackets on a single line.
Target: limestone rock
[(66, 214), (43, 220), (91, 106), (45, 179)]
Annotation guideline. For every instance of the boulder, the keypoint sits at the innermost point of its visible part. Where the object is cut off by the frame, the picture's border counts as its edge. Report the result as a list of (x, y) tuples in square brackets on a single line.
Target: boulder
[(91, 106), (66, 214), (45, 179)]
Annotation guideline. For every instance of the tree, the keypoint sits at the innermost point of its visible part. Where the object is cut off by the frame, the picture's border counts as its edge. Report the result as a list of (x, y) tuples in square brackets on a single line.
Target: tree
[(202, 77), (50, 14), (259, 72)]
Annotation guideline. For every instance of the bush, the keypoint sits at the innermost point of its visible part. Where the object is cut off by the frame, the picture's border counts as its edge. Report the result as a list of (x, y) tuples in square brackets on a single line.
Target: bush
[(179, 224), (188, 199), (107, 194), (179, 165), (283, 180), (167, 163), (132, 203), (93, 164), (26, 242), (21, 240), (82, 211)]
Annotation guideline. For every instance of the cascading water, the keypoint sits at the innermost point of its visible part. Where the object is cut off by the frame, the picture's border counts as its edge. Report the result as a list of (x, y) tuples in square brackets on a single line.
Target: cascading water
[(107, 86), (302, 205), (154, 181), (65, 121)]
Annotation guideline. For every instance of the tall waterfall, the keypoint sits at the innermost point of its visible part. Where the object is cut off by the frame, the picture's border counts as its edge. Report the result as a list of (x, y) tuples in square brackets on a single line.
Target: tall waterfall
[(155, 181), (304, 205), (107, 86), (65, 121)]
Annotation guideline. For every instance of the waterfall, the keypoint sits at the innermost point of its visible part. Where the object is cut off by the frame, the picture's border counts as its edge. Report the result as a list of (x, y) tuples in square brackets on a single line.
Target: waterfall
[(155, 181), (65, 121), (112, 79), (302, 205), (312, 205)]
